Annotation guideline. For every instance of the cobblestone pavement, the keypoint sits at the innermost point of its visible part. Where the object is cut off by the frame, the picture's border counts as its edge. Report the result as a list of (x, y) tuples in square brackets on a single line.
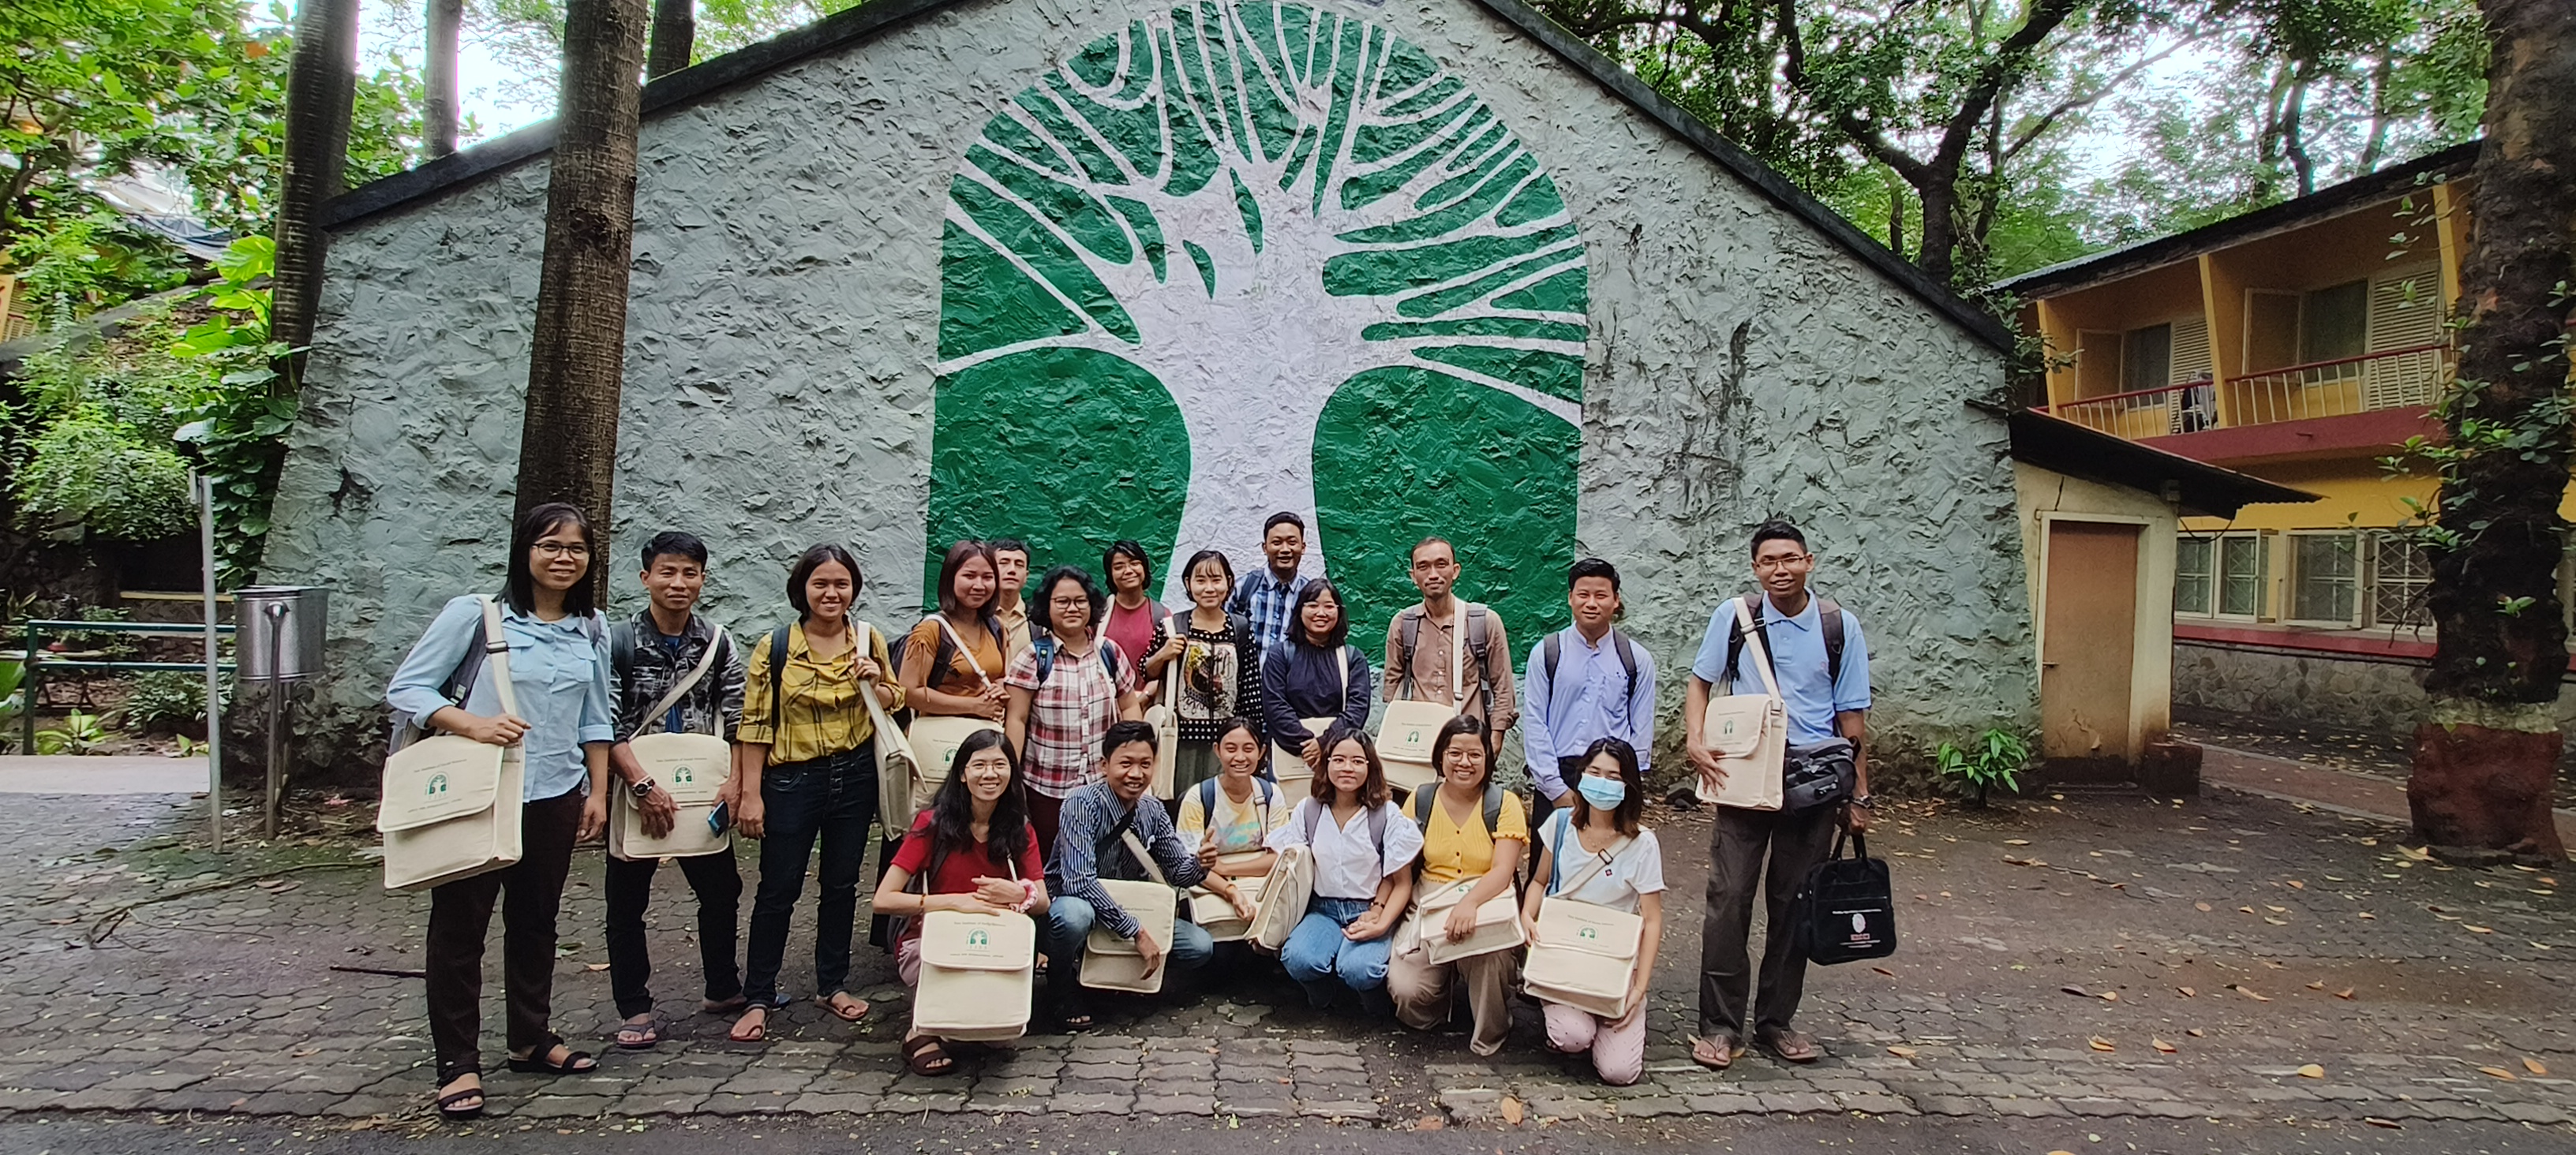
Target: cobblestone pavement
[(2229, 958)]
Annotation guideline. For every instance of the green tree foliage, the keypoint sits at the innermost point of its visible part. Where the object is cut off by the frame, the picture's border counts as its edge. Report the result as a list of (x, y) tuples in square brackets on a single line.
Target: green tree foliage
[(185, 91)]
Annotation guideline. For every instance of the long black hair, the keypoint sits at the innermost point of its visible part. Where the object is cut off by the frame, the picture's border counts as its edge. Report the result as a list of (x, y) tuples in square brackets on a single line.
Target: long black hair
[(952, 810), (956, 559), (1340, 634), (521, 588), (813, 559), (1373, 793), (1633, 806)]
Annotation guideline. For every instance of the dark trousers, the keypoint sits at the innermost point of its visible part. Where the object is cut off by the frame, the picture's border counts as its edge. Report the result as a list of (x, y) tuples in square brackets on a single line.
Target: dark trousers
[(529, 892), (1046, 815), (831, 800), (718, 886), (1794, 843)]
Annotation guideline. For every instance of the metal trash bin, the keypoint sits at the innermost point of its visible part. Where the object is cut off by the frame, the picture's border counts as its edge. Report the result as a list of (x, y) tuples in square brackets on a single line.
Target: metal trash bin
[(279, 632)]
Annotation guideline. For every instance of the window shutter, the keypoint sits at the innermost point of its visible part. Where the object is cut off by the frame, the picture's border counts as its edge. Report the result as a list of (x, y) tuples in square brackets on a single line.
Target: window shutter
[(2190, 363), (2405, 311)]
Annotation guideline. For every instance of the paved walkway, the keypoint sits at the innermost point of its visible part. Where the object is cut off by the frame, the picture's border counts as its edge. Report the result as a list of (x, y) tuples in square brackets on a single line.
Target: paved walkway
[(2234, 957), (68, 774), (2347, 792)]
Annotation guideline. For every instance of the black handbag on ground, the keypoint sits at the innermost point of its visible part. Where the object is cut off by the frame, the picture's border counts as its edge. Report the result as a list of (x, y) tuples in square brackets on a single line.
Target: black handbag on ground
[(1818, 775), (1847, 909)]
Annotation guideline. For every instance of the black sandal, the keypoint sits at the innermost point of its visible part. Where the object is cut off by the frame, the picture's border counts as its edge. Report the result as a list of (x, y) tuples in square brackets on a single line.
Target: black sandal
[(575, 1062), (448, 1109)]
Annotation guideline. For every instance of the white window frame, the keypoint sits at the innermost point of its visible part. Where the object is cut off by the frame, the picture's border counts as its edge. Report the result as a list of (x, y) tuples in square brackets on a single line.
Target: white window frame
[(2359, 581), (2209, 609), (2262, 539), (2382, 540)]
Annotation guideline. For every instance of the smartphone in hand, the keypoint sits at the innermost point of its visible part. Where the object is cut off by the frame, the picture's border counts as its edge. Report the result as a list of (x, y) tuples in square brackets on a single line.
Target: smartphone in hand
[(720, 819)]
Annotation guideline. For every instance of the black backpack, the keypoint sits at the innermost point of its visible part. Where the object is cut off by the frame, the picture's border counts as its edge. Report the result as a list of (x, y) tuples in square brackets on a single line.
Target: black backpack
[(1480, 639), (1554, 650), (1829, 618)]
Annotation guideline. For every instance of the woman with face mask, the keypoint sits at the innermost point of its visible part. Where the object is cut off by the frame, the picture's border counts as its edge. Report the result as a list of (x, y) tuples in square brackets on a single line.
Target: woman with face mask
[(1471, 829), (973, 851), (1595, 851)]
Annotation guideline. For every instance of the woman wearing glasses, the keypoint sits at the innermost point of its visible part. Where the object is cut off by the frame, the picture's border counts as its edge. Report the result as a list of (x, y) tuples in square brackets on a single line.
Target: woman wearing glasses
[(1065, 690)]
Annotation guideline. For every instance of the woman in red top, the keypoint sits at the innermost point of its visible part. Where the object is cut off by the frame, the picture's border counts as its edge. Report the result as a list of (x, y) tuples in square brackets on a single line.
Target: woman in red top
[(981, 855)]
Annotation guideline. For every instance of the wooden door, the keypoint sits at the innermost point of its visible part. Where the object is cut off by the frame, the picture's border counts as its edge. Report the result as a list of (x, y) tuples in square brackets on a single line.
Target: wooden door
[(2089, 641)]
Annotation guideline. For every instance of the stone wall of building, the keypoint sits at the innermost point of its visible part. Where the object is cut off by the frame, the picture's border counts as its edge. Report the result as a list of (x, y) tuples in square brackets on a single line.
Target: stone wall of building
[(2278, 686), (787, 363)]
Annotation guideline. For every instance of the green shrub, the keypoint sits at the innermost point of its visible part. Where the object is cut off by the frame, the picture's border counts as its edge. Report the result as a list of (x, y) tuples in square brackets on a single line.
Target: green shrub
[(163, 700), (88, 474), (1997, 759)]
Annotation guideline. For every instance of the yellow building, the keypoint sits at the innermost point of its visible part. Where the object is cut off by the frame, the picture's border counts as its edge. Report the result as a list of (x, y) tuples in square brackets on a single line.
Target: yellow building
[(2302, 344)]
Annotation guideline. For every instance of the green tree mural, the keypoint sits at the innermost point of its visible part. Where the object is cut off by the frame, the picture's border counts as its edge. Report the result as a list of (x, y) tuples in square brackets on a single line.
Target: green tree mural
[(1244, 257)]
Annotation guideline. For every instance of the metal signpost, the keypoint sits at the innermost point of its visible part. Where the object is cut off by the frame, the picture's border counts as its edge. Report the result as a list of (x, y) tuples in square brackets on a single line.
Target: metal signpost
[(281, 644)]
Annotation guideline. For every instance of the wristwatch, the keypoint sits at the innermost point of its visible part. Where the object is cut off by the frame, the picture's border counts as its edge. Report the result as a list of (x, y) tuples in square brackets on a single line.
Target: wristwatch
[(1863, 802), (642, 788)]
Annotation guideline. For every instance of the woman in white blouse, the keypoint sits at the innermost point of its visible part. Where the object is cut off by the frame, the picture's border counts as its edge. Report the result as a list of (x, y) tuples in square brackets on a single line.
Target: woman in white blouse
[(1363, 850), (1595, 851)]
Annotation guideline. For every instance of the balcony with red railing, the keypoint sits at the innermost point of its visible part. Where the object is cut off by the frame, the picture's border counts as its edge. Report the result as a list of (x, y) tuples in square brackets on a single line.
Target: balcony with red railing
[(2370, 401)]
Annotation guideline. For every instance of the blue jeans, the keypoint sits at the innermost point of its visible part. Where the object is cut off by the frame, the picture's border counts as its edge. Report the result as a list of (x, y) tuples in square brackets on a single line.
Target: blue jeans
[(1323, 961), (832, 800), (1068, 930)]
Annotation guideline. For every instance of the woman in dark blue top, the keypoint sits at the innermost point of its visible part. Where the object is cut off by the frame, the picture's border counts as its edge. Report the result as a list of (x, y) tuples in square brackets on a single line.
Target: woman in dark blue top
[(1318, 674)]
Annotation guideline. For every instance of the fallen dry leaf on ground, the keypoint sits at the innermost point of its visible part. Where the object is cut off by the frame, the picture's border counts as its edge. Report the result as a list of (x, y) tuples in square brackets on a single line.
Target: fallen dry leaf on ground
[(2101, 1044), (2534, 1066), (2248, 992), (2344, 993), (2498, 1072), (2317, 986), (1511, 1110), (1429, 1123), (2312, 1071), (2376, 1121), (2162, 1045), (1884, 971), (2477, 929), (2202, 906), (2188, 993), (2195, 1032), (1901, 1052)]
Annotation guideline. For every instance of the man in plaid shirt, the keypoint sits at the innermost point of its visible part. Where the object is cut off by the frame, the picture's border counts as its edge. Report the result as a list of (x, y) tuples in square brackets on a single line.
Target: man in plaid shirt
[(647, 656), (1269, 598)]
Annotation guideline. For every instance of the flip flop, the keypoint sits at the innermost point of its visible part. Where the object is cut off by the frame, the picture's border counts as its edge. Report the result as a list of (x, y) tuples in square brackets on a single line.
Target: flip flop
[(638, 1034), (756, 1032), (539, 1061), (1789, 1046), (849, 1012), (1726, 1047)]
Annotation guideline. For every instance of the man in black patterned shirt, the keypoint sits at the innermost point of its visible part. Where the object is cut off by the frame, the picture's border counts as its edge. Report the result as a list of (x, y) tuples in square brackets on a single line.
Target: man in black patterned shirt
[(650, 654)]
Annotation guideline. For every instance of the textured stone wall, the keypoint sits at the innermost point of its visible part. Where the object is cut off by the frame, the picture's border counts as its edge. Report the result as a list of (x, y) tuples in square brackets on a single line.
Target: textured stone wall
[(785, 322), (2385, 697)]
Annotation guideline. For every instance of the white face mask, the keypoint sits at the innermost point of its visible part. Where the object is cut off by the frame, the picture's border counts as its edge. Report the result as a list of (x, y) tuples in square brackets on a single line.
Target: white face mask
[(1603, 793)]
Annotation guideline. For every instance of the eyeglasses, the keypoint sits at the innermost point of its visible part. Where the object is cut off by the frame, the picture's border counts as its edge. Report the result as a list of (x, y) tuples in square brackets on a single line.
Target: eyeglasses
[(562, 549), (1779, 562), (1069, 603)]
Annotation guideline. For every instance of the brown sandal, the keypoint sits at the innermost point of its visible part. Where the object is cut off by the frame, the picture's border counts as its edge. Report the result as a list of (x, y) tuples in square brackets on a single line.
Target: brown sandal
[(924, 1055), (1726, 1047), (755, 1032), (849, 1012), (1788, 1046)]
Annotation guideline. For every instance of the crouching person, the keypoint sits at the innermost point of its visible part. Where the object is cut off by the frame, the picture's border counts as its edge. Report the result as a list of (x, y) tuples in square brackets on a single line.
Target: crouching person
[(1363, 850), (1090, 845), (1594, 851), (972, 851), (1471, 829)]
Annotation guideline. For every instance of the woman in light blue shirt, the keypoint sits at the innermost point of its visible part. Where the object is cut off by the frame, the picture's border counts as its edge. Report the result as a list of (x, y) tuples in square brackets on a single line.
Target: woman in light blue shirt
[(559, 671)]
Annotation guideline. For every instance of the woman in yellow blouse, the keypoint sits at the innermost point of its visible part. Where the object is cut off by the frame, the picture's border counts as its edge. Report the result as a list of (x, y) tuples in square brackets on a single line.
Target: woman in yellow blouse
[(1471, 828), (805, 770)]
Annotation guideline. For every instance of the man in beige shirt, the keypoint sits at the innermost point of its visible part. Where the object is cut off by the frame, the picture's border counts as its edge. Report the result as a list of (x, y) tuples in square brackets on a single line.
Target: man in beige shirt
[(1011, 568), (1425, 640)]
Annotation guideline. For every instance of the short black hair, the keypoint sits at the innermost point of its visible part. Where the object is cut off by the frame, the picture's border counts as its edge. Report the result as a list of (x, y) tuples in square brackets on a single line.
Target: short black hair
[(1313, 590), (1009, 545), (1777, 529), (813, 559), (1042, 614), (1131, 730), (1462, 726), (520, 588), (1204, 556), (1283, 517), (1128, 548), (1416, 551), (672, 541), (1592, 567)]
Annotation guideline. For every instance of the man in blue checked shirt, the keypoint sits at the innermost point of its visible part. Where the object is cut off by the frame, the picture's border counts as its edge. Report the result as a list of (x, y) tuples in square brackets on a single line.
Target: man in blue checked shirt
[(1269, 597), (1585, 682), (1089, 847)]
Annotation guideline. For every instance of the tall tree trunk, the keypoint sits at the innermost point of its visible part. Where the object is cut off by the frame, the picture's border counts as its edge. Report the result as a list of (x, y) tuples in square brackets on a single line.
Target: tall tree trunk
[(439, 112), (2294, 137), (675, 34), (2486, 752), (576, 357), (1937, 253), (321, 85)]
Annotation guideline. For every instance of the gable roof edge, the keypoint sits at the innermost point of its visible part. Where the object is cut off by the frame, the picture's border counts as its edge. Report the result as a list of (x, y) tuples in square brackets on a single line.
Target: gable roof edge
[(1627, 86)]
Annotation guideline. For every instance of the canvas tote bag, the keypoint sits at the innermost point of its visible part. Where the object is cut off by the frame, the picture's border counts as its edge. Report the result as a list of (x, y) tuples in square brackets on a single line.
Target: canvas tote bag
[(933, 739), (692, 767), (1165, 718), (1498, 924), (1284, 897), (1111, 963), (977, 972), (901, 787), (1287, 766), (1586, 955), (450, 805), (1217, 916), (1748, 732), (1407, 730)]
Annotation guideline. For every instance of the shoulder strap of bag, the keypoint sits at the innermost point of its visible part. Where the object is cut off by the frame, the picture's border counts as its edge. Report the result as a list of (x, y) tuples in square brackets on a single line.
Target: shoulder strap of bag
[(496, 650), (1627, 651), (1418, 807), (881, 726), (1599, 861), (621, 650), (706, 662), (1752, 635), (777, 676), (950, 633), (1493, 809), (1136, 846), (1207, 801), (1829, 615), (1408, 626), (1553, 652), (1314, 817)]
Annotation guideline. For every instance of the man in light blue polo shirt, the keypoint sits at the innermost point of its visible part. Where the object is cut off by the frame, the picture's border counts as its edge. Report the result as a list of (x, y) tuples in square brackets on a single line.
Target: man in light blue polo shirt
[(1827, 697)]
